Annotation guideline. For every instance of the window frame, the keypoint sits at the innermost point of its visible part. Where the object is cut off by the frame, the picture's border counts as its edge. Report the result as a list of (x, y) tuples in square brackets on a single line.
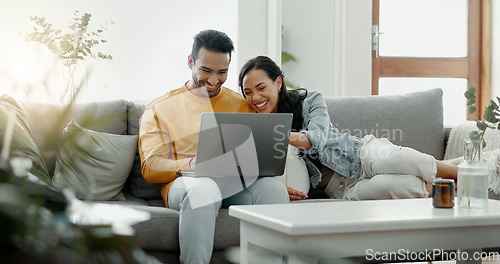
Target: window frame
[(476, 67)]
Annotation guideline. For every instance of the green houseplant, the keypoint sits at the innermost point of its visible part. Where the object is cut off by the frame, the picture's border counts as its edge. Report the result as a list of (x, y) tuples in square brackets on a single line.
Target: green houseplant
[(70, 47), (491, 118), (473, 172)]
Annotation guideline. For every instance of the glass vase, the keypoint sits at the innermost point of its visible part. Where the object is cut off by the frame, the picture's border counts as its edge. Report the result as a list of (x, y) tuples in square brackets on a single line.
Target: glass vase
[(472, 189)]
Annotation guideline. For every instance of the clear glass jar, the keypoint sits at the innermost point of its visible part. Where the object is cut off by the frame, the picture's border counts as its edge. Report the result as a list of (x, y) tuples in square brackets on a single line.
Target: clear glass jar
[(472, 189)]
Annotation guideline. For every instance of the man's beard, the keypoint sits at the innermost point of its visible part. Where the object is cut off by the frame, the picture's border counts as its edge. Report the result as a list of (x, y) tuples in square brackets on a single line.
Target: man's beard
[(203, 92)]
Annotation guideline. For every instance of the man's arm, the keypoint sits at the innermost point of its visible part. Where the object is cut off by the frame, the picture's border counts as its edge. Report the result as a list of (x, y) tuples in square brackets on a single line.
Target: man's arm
[(155, 149)]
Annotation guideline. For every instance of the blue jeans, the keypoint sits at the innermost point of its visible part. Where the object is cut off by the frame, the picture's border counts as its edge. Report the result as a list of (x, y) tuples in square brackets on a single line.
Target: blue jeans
[(198, 201)]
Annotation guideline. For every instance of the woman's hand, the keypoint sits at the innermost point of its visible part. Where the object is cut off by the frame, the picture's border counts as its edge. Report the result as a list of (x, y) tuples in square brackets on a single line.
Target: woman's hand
[(295, 195), (299, 140)]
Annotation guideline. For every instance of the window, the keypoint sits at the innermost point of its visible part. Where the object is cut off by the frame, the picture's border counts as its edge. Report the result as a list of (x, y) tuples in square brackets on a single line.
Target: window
[(425, 44)]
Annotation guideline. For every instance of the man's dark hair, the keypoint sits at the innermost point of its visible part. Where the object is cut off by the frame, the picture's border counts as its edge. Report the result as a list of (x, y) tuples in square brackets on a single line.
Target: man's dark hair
[(212, 40)]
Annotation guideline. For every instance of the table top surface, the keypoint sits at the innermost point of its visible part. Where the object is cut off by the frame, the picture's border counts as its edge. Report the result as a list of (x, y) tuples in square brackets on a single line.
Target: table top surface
[(363, 216)]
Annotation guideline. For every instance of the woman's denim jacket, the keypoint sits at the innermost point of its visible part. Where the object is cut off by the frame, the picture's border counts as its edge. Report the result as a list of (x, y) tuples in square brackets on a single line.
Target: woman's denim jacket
[(337, 151)]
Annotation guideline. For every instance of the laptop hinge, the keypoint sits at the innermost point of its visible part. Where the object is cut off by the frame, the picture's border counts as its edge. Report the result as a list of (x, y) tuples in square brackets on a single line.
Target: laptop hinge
[(241, 177)]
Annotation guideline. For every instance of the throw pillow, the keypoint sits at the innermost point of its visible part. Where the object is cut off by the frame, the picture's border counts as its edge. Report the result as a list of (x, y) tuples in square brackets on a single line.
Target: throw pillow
[(94, 164), (23, 144), (295, 175)]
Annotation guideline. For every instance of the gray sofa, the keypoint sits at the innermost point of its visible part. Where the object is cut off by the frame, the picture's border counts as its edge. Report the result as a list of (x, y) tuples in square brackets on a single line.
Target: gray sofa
[(414, 120)]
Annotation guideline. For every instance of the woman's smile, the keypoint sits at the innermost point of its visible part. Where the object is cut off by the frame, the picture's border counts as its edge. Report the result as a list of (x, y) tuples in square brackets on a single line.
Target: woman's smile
[(261, 92), (261, 106)]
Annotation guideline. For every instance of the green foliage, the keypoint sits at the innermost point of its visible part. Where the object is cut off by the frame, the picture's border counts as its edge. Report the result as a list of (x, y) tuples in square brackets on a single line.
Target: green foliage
[(70, 47), (286, 57), (470, 95), (73, 46), (491, 117)]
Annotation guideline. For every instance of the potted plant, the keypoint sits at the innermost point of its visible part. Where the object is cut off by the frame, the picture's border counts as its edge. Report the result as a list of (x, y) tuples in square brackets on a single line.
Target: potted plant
[(70, 47), (473, 172)]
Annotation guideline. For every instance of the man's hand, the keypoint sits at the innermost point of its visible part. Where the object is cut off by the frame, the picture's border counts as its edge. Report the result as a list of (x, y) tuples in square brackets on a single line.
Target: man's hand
[(295, 195)]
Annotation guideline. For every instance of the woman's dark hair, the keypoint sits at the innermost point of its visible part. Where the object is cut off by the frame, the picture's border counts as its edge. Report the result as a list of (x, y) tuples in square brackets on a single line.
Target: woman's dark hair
[(290, 101), (212, 40)]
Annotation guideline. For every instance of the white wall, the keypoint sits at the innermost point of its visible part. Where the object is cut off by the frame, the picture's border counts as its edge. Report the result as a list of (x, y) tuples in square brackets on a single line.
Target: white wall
[(259, 30), (357, 47), (310, 40), (331, 41), (150, 42)]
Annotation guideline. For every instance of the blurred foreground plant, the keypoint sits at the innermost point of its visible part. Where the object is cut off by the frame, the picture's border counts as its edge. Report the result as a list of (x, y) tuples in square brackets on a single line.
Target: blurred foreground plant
[(34, 222), (34, 227)]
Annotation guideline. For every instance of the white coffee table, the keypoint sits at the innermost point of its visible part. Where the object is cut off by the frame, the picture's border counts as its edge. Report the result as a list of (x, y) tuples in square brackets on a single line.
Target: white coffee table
[(307, 232)]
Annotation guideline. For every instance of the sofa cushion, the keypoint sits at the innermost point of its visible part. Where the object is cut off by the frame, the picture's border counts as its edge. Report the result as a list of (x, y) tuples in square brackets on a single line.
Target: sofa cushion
[(134, 114), (413, 120), (136, 184), (156, 202), (23, 143), (94, 164), (48, 120), (295, 175)]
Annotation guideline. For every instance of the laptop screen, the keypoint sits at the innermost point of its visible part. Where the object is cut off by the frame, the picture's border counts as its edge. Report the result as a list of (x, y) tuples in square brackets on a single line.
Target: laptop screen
[(244, 144)]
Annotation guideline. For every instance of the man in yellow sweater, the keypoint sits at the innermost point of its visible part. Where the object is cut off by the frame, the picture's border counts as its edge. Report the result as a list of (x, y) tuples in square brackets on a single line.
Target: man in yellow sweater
[(168, 140)]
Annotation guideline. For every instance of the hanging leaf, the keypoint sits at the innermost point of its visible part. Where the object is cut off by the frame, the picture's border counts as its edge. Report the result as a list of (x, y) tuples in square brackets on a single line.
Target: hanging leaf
[(474, 135), (481, 125), (286, 57), (472, 109), (493, 105)]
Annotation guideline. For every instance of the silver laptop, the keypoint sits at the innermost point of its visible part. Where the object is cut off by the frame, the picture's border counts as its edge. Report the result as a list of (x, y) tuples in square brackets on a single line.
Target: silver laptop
[(243, 145)]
